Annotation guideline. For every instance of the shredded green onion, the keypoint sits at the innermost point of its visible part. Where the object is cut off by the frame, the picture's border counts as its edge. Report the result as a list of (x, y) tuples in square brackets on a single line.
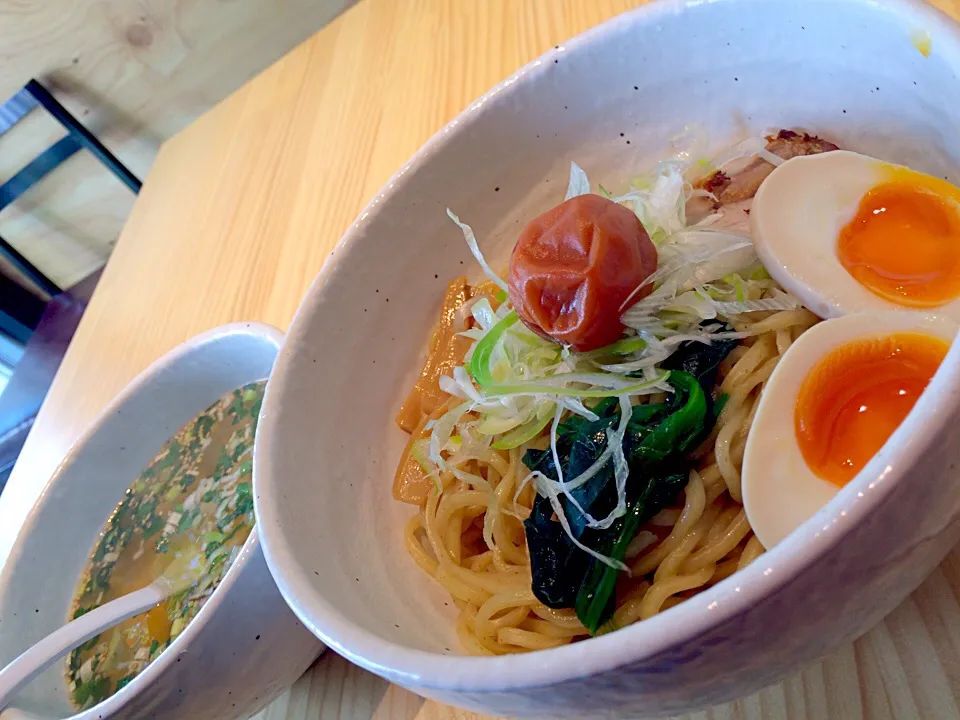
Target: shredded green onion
[(525, 432), (542, 388), (480, 362), (420, 451)]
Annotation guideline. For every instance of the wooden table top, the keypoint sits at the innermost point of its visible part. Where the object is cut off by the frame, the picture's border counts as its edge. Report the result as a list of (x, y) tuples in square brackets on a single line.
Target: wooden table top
[(238, 215)]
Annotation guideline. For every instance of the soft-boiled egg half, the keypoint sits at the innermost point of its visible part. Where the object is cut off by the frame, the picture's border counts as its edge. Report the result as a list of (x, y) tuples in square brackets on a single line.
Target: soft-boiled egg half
[(847, 233), (837, 395)]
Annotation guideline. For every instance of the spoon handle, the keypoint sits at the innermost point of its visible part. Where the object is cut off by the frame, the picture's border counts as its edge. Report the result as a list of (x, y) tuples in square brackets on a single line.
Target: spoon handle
[(61, 641)]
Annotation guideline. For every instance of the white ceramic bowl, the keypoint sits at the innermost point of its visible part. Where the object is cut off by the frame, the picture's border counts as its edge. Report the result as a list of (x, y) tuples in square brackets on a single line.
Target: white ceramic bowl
[(851, 70), (244, 646)]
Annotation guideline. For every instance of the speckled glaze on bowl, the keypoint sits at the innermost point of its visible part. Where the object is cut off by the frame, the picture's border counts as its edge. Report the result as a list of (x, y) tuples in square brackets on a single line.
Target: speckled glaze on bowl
[(244, 647), (851, 70)]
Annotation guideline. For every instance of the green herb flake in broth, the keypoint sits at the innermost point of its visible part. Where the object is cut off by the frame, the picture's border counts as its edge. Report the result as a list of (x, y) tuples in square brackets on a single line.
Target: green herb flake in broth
[(95, 690), (171, 508), (239, 450), (152, 526), (186, 519)]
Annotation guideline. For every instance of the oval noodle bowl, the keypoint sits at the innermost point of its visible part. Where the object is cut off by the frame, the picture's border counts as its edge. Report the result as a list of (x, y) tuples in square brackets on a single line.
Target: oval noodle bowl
[(328, 445)]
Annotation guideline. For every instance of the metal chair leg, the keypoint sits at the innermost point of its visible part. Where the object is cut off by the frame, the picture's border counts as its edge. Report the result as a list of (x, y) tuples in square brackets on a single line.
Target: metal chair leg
[(78, 137), (83, 136), (37, 169), (29, 269)]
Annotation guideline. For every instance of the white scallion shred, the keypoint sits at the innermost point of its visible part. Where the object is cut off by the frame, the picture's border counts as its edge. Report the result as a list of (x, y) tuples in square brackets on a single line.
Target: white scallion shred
[(614, 450), (523, 484), (575, 406), (650, 359), (741, 151), (553, 444), (579, 184), (690, 259), (468, 478), (463, 381), (483, 313), (620, 468), (774, 160), (450, 387), (475, 249), (660, 203), (442, 430), (782, 301), (554, 497)]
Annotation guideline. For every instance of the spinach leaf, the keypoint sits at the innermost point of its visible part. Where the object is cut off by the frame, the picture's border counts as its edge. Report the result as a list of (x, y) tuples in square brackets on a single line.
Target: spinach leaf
[(657, 442), (581, 442), (659, 464), (700, 359), (595, 600), (557, 564), (680, 431), (654, 434)]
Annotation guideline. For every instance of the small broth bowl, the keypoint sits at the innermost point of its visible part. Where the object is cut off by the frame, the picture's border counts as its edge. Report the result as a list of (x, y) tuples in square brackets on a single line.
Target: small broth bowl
[(875, 77), (244, 647)]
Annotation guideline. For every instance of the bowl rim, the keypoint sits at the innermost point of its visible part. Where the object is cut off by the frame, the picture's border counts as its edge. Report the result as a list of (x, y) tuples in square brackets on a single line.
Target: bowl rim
[(269, 337), (675, 626)]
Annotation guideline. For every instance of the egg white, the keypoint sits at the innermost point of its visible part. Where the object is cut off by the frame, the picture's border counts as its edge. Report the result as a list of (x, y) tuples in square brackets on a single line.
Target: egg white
[(780, 491), (796, 219)]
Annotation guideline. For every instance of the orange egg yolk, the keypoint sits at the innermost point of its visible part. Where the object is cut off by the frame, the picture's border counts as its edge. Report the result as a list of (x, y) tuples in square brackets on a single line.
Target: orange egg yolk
[(904, 242), (853, 399)]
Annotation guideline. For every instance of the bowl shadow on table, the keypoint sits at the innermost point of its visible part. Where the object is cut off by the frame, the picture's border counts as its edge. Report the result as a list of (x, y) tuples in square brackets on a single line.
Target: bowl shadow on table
[(849, 683), (336, 689), (854, 681)]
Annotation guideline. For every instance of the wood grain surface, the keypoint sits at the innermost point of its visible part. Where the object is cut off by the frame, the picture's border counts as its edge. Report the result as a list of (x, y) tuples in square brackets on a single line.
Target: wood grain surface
[(241, 210), (136, 72)]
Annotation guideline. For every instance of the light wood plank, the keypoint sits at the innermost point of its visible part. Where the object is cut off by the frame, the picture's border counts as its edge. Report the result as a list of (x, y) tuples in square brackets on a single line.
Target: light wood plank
[(136, 72), (242, 208)]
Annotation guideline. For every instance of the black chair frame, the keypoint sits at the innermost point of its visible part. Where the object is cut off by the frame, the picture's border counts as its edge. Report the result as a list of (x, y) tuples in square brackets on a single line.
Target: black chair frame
[(77, 138)]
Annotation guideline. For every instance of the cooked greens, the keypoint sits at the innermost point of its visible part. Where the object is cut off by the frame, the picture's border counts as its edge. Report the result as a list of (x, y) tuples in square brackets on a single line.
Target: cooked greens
[(657, 443)]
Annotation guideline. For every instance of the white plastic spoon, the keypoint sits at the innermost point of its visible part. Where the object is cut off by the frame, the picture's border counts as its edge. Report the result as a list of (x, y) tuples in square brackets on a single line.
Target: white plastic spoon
[(183, 572)]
